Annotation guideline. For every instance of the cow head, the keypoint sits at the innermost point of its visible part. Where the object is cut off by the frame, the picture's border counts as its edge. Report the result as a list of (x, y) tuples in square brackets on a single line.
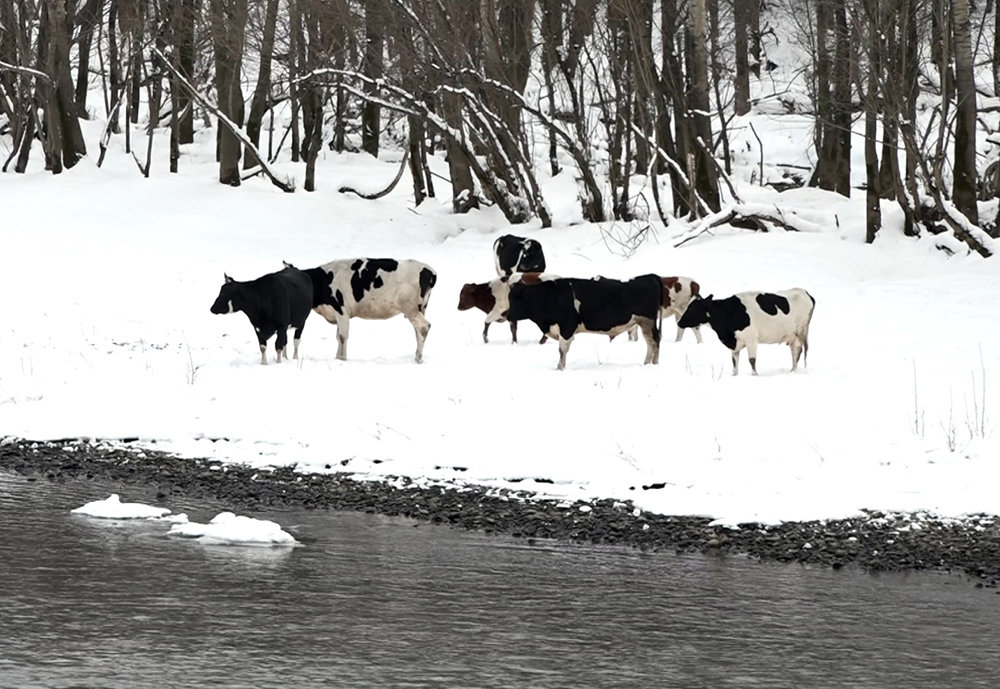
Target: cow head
[(229, 293), (476, 295), (698, 312)]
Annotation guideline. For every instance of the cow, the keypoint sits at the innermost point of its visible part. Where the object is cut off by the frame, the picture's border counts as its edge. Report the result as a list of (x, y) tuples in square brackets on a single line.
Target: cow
[(512, 254), (751, 318), (492, 299), (567, 306), (273, 303), (677, 294), (373, 289)]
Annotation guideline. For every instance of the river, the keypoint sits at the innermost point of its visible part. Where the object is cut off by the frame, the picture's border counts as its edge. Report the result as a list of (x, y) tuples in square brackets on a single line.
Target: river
[(371, 601)]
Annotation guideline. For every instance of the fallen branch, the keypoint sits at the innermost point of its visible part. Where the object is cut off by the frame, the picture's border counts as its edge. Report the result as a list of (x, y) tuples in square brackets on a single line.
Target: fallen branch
[(749, 216), (388, 189), (287, 185)]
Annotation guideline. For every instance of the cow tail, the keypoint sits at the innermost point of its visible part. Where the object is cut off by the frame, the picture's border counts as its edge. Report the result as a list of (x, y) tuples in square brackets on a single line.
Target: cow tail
[(659, 314)]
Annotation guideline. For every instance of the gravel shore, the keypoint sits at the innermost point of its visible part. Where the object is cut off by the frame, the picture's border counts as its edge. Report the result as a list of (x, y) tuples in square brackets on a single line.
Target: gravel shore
[(874, 541)]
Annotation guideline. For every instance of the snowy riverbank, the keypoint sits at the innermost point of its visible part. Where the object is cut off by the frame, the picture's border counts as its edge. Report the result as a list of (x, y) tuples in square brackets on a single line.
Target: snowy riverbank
[(873, 541)]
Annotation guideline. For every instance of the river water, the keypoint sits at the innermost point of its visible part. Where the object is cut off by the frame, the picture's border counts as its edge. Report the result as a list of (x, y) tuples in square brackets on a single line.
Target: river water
[(369, 601)]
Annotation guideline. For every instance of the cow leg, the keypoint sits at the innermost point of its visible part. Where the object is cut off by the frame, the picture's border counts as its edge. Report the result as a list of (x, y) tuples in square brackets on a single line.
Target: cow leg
[(563, 350), (697, 333), (680, 334), (513, 332), (651, 335), (486, 329), (752, 355), (281, 342), (263, 335), (421, 327), (633, 334), (343, 329), (796, 346), (298, 336)]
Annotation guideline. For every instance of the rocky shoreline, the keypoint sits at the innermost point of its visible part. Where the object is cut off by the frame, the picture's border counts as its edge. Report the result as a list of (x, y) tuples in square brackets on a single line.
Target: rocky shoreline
[(874, 542)]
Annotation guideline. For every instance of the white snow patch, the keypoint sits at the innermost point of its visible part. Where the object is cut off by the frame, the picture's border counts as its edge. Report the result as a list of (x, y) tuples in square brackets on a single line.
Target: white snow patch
[(113, 508), (227, 528)]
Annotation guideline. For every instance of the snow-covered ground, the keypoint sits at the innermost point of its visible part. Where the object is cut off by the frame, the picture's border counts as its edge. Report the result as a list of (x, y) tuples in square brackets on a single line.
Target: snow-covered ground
[(106, 280)]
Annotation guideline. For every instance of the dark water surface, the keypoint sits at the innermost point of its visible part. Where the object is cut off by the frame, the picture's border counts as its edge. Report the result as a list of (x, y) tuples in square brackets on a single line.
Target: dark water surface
[(369, 601)]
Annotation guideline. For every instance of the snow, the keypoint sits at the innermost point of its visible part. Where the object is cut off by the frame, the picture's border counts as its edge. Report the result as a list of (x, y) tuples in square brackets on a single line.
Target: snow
[(107, 279), (227, 528), (113, 508)]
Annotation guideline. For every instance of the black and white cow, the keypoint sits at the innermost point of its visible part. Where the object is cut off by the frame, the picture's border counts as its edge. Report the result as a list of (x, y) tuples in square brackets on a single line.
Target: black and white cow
[(751, 318), (567, 306), (513, 254), (273, 303), (492, 298), (374, 289)]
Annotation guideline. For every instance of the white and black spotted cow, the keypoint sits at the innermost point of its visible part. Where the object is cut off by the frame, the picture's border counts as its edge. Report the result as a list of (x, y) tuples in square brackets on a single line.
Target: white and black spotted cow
[(751, 318), (273, 303), (512, 254), (564, 307), (373, 289)]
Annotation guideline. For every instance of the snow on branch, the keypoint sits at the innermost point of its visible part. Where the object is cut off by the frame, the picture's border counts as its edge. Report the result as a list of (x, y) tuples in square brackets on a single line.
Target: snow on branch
[(753, 213), (7, 67), (287, 185)]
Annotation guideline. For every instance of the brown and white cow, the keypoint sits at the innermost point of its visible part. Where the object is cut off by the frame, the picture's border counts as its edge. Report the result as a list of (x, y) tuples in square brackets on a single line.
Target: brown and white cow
[(493, 297), (677, 294)]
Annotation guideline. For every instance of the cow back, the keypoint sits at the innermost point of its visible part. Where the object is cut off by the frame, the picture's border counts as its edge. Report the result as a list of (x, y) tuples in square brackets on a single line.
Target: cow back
[(513, 254)]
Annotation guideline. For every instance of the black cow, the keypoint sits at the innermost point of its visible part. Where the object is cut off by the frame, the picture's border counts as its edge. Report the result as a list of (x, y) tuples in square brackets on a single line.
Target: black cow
[(567, 306), (513, 254), (273, 303)]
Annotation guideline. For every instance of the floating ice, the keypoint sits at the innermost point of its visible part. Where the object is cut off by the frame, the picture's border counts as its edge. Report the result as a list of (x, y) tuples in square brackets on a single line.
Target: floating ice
[(114, 508), (227, 528)]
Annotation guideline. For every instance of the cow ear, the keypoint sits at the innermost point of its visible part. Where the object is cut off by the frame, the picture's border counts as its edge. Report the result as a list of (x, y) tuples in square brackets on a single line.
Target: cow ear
[(228, 279)]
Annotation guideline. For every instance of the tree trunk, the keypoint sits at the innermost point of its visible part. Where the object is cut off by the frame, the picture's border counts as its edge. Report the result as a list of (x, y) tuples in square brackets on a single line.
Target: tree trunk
[(741, 11), (87, 19), (706, 176), (964, 187), (672, 85), (185, 65), (463, 189), (114, 65), (228, 23), (841, 172), (373, 68), (873, 208), (67, 136), (262, 92), (940, 55), (996, 51)]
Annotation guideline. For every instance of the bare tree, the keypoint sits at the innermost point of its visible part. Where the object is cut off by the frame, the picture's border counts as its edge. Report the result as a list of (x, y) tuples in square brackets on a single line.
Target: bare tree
[(705, 173), (228, 25), (262, 93), (61, 118), (741, 12), (964, 182)]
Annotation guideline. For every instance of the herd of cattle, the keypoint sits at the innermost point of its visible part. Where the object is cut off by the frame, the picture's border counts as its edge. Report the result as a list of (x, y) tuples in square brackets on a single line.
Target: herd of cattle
[(380, 288)]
